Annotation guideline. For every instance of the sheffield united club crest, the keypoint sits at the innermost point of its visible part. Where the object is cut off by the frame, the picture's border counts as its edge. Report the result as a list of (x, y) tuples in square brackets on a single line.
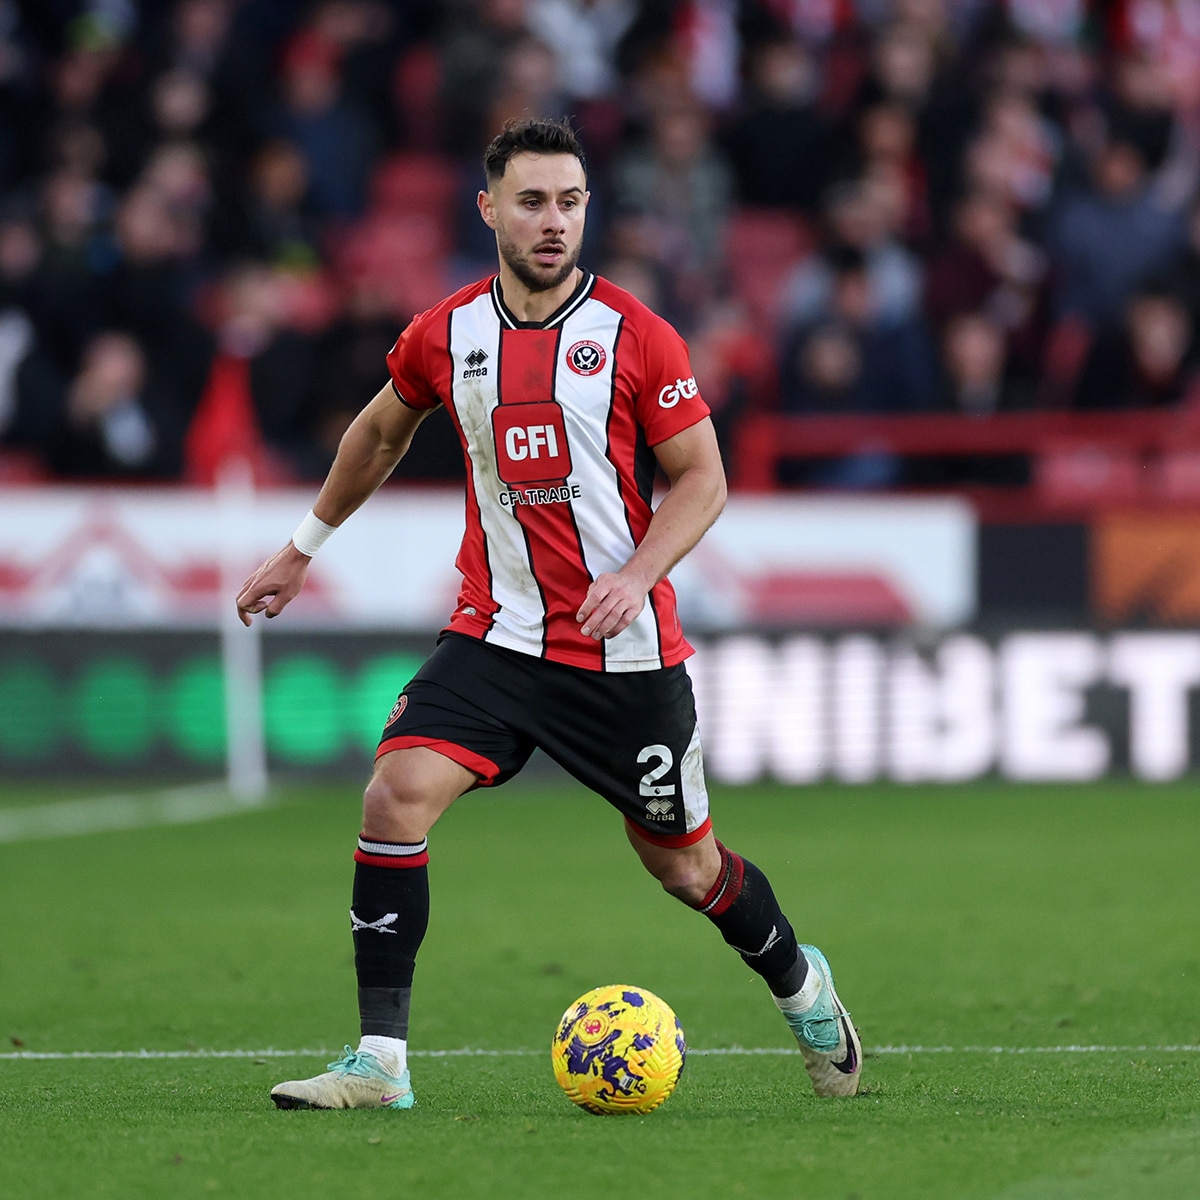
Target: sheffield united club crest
[(586, 358)]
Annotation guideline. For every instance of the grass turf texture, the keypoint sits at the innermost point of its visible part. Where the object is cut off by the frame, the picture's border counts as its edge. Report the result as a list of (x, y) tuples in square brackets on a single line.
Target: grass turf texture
[(980, 916)]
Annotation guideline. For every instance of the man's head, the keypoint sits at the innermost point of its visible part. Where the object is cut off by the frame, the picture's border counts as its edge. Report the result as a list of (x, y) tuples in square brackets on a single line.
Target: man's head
[(528, 137), (535, 200)]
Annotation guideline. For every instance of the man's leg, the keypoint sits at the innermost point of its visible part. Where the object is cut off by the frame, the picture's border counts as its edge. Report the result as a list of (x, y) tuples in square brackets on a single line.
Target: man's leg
[(389, 913), (738, 899)]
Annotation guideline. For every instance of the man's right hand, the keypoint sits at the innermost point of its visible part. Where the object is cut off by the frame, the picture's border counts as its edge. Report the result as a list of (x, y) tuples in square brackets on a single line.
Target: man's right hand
[(274, 585)]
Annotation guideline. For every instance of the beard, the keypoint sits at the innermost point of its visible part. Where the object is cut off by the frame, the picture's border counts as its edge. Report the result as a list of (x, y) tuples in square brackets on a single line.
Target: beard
[(531, 275)]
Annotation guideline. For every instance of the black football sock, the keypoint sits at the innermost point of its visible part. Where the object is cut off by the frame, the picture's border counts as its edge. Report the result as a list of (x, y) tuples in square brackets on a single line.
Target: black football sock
[(743, 907), (388, 916)]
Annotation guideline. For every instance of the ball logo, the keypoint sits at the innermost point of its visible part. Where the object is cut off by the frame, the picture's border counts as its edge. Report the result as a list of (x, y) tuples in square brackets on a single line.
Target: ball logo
[(397, 709), (594, 1027), (681, 389), (586, 358)]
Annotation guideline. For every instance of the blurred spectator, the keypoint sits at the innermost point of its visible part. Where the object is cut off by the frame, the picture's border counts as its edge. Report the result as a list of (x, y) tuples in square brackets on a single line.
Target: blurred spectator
[(146, 289), (683, 183), (583, 35), (634, 263), (857, 217), (1110, 237), (1148, 361), (1140, 107), (348, 368), (20, 251), (112, 419), (366, 35), (778, 146), (817, 25), (848, 358), (989, 268), (270, 218), (903, 66), (75, 209), (274, 362), (1015, 153), (1183, 274), (528, 84), (197, 36), (474, 47), (887, 155), (335, 134), (1167, 33), (1051, 24), (977, 379), (701, 40), (825, 370), (734, 362)]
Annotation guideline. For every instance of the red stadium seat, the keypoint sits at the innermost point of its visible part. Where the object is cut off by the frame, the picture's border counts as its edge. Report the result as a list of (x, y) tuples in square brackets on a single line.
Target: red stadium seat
[(415, 183), (762, 245)]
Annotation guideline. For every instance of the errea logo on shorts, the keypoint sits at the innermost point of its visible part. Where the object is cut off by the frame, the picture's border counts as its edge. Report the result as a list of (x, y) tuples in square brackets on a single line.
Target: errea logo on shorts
[(681, 389)]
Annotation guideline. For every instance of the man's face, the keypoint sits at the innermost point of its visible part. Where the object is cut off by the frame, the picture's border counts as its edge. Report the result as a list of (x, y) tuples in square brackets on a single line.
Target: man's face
[(537, 209)]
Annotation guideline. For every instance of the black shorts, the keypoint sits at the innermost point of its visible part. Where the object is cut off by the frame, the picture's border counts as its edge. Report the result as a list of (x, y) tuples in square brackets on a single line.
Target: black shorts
[(629, 736)]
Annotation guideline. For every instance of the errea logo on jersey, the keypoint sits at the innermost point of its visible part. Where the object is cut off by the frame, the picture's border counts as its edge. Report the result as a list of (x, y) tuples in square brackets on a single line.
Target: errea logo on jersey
[(681, 389), (475, 368)]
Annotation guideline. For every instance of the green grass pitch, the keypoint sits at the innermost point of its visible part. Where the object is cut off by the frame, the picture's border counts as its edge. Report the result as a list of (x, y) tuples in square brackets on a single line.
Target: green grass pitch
[(1023, 963)]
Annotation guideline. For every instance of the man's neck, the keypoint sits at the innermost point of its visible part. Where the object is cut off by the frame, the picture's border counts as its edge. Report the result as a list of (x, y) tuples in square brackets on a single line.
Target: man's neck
[(535, 307)]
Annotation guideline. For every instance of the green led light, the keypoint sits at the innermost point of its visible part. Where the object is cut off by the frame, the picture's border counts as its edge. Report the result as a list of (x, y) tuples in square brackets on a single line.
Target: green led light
[(369, 698), (32, 710), (303, 720), (115, 709), (194, 709)]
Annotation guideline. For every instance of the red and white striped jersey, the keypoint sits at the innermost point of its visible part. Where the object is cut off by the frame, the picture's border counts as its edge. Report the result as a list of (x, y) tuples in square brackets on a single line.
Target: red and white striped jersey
[(557, 421)]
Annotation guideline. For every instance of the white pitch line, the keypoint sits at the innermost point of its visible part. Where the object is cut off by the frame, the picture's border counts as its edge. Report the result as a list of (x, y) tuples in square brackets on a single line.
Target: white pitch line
[(466, 1052), (103, 814)]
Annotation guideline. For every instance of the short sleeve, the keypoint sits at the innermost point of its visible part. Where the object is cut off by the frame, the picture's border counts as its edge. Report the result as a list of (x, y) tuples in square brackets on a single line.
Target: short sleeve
[(669, 401), (406, 364)]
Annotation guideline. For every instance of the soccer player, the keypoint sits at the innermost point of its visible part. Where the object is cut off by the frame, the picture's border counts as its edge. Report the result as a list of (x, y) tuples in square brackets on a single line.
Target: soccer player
[(566, 393)]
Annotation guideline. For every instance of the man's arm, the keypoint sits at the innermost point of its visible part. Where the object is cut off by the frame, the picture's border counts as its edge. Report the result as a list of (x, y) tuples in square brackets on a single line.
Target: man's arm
[(375, 442), (692, 463)]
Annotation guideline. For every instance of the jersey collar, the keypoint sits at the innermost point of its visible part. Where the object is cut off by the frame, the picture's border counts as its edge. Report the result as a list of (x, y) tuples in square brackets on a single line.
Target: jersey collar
[(560, 314)]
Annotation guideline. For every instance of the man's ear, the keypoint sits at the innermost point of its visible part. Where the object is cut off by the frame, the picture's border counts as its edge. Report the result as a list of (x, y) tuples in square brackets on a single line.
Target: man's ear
[(487, 210)]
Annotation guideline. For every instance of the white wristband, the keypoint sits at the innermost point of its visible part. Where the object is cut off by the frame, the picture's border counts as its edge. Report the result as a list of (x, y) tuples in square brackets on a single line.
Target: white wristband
[(311, 533)]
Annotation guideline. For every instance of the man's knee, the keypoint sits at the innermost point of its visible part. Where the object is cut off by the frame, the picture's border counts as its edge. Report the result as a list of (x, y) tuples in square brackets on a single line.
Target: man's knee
[(687, 873), (408, 791), (395, 792)]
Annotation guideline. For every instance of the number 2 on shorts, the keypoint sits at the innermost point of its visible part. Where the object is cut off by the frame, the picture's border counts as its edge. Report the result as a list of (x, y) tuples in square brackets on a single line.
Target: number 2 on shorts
[(666, 760)]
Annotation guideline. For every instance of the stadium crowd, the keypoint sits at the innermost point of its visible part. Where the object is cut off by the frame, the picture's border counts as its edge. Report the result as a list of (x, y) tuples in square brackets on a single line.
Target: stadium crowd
[(215, 215)]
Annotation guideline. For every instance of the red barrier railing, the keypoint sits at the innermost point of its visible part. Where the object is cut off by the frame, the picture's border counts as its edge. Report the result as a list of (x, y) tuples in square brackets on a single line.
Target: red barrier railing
[(763, 440)]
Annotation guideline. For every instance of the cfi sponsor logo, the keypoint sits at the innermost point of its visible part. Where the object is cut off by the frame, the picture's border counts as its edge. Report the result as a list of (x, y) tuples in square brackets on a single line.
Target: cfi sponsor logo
[(681, 389), (397, 709), (586, 358)]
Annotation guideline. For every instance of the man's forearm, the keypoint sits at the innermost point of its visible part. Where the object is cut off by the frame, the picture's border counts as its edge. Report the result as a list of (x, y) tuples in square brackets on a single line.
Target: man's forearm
[(367, 454), (694, 502)]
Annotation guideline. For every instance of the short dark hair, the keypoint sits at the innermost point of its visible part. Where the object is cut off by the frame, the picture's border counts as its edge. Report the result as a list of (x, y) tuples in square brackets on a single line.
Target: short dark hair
[(531, 135)]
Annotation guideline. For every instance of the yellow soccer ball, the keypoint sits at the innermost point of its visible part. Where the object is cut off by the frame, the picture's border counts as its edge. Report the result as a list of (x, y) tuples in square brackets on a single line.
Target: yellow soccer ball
[(618, 1049)]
